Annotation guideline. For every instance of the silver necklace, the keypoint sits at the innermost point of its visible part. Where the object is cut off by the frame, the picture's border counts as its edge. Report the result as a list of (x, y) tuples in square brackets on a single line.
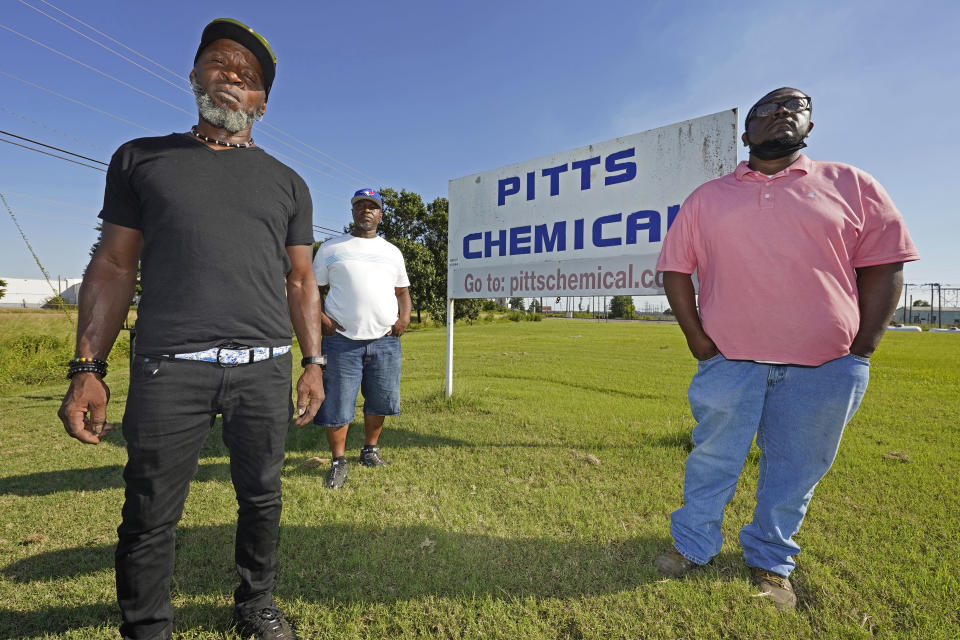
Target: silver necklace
[(238, 145)]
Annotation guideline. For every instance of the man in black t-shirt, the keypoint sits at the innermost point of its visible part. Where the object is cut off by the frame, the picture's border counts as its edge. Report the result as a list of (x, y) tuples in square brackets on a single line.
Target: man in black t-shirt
[(223, 233)]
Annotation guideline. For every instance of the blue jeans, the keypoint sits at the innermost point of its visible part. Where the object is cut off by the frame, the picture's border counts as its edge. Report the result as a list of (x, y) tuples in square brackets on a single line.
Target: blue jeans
[(368, 366), (798, 415)]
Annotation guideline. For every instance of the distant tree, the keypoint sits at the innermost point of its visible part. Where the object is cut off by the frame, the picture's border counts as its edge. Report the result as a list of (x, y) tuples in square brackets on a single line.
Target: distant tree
[(404, 215), (467, 309), (420, 232), (137, 290), (516, 304), (420, 271), (622, 307), (96, 244), (405, 224), (921, 303), (491, 304), (435, 240), (535, 306), (3, 288), (668, 312)]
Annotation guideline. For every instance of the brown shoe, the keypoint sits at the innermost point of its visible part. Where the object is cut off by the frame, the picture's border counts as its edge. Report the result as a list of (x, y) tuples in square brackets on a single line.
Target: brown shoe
[(775, 587), (671, 563)]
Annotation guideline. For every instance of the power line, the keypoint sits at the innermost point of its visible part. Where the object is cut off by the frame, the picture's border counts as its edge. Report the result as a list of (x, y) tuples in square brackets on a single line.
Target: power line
[(57, 131), (302, 163), (302, 152), (326, 155), (154, 131), (274, 128), (82, 104), (327, 229), (48, 146), (35, 257), (92, 68), (50, 200), (32, 213), (147, 93), (52, 155), (100, 44), (94, 29), (65, 203), (143, 92)]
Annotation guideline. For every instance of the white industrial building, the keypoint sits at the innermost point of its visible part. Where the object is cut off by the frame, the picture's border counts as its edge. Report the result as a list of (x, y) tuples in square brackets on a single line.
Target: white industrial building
[(36, 292), (945, 316)]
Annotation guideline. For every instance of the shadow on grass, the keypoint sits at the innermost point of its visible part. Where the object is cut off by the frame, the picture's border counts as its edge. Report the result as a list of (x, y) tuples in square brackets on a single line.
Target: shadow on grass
[(342, 564), (55, 620), (680, 438), (43, 397), (385, 564), (302, 442), (314, 439), (540, 380), (44, 483), (58, 621), (367, 565)]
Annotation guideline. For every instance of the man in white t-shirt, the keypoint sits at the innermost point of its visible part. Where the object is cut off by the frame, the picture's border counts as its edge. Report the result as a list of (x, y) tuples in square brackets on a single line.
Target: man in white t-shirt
[(366, 310)]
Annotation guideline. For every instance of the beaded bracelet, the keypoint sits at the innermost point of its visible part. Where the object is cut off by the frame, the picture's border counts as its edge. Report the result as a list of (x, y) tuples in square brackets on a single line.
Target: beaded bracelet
[(86, 365)]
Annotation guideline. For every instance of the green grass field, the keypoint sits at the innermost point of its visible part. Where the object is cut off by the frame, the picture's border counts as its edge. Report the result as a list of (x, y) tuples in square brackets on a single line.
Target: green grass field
[(531, 505)]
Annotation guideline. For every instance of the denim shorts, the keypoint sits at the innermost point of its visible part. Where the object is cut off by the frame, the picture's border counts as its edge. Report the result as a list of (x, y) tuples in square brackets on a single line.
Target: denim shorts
[(371, 367)]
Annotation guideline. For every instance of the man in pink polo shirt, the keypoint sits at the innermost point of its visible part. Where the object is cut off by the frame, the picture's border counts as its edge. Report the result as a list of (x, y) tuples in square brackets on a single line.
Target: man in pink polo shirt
[(800, 268)]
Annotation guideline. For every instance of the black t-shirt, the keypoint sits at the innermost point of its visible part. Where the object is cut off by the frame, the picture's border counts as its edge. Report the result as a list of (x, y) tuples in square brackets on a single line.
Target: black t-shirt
[(215, 227)]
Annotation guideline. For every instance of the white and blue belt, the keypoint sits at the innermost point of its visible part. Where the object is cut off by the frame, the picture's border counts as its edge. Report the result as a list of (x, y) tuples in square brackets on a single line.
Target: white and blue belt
[(233, 355)]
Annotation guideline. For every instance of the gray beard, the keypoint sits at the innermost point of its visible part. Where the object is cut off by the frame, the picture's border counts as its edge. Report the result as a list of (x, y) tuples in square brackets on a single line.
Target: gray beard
[(221, 117)]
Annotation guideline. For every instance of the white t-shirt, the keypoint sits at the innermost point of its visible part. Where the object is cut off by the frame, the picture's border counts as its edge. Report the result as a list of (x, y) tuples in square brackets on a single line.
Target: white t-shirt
[(362, 274)]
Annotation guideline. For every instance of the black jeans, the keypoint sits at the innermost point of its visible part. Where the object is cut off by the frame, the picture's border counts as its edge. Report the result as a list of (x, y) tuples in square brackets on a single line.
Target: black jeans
[(170, 409)]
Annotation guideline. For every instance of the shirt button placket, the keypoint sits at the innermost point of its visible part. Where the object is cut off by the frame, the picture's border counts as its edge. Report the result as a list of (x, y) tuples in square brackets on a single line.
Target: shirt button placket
[(766, 195)]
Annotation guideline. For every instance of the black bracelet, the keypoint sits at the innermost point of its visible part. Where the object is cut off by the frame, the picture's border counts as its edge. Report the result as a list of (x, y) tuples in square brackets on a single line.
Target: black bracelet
[(86, 365), (320, 360)]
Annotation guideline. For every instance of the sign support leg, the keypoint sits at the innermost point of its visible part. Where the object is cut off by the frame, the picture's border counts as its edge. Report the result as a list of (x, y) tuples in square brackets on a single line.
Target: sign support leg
[(449, 347)]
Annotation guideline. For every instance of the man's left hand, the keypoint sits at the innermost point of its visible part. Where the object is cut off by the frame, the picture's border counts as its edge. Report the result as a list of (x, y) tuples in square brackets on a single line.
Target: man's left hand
[(309, 394), (399, 328), (863, 352)]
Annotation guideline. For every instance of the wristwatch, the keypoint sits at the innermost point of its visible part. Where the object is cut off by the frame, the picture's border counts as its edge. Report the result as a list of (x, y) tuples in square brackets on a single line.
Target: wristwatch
[(320, 360)]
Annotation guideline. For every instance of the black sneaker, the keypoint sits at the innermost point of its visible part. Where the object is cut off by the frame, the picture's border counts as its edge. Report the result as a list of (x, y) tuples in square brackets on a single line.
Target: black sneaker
[(264, 624), (370, 457), (337, 474), (671, 563)]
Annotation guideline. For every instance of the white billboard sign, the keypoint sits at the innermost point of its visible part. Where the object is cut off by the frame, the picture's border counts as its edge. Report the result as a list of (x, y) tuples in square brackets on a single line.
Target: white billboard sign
[(589, 221)]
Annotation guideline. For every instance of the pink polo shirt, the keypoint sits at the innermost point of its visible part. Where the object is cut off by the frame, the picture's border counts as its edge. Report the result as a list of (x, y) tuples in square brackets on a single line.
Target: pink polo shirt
[(776, 257)]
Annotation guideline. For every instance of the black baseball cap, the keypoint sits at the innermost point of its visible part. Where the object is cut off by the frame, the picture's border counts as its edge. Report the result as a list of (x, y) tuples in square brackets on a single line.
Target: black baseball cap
[(238, 32)]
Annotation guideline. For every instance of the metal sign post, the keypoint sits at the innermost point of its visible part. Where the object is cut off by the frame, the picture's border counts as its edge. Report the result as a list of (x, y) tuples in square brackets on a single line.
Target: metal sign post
[(449, 347)]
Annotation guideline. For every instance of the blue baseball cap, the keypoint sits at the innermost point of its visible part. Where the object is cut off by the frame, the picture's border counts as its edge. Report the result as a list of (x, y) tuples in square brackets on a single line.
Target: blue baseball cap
[(367, 194)]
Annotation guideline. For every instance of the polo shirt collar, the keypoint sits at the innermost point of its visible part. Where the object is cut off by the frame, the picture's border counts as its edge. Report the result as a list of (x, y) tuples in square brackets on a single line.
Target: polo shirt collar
[(803, 163)]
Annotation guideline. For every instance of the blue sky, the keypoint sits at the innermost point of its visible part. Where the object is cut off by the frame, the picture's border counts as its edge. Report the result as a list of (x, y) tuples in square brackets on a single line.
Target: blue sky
[(410, 95)]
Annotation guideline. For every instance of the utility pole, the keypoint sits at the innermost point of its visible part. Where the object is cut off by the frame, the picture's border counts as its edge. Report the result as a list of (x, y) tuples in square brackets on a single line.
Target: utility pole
[(939, 307)]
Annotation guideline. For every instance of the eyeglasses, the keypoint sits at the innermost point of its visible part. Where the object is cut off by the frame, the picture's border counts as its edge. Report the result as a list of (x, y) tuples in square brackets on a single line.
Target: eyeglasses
[(793, 105)]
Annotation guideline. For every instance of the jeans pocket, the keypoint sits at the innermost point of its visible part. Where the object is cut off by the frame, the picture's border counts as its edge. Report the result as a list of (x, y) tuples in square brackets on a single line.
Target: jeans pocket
[(860, 358), (710, 359), (145, 368)]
